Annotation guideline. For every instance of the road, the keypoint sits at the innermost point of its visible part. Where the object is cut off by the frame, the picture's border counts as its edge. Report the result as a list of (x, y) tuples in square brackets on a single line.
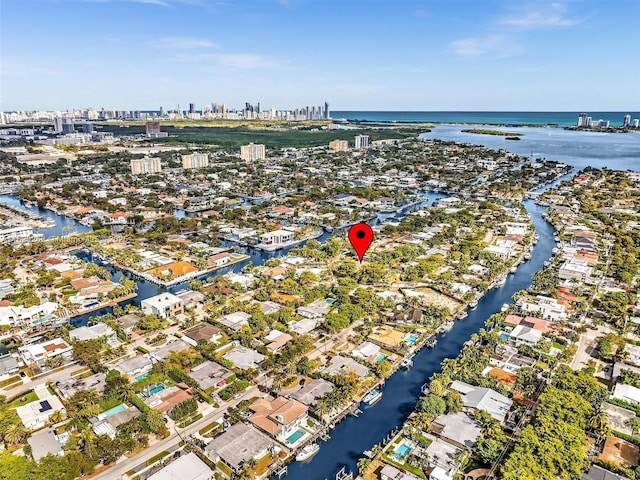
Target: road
[(41, 380), (122, 467)]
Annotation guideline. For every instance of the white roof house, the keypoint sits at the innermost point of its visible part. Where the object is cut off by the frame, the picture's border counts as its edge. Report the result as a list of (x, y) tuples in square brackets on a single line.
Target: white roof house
[(244, 358), (36, 413), (165, 305), (94, 331), (365, 350), (187, 467), (235, 321), (44, 443), (626, 393), (39, 352), (523, 334), (27, 316), (482, 398)]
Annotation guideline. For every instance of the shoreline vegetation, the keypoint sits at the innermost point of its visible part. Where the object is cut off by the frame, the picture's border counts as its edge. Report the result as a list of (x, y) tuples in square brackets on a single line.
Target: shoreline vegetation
[(481, 131)]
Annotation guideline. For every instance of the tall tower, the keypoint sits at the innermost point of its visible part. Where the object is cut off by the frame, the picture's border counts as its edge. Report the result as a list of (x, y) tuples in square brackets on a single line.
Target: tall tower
[(327, 116)]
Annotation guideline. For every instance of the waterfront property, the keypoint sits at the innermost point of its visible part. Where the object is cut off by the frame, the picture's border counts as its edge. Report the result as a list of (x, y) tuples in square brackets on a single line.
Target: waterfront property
[(38, 353), (166, 305), (187, 467), (279, 417), (482, 398)]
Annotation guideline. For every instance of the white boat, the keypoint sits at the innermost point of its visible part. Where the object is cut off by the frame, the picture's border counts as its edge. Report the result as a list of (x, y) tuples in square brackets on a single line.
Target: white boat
[(473, 304), (372, 397), (505, 307), (406, 362), (555, 250), (445, 327), (547, 263), (501, 281), (527, 256), (307, 452), (462, 314), (513, 270)]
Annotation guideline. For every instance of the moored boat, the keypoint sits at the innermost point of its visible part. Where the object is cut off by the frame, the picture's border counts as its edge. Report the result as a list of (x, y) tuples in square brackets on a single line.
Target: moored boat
[(505, 307), (307, 452), (372, 397)]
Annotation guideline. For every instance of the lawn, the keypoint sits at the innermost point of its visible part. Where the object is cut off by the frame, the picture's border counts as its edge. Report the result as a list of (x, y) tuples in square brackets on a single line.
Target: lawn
[(29, 397)]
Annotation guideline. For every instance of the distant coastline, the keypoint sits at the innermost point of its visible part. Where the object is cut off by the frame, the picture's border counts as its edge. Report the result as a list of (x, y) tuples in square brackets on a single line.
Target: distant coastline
[(501, 119)]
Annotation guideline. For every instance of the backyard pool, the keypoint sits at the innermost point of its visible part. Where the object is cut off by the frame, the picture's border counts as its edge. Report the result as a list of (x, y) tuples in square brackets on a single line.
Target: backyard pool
[(504, 336), (143, 376), (295, 436), (120, 408), (156, 389), (411, 339), (402, 450), (380, 357), (329, 301)]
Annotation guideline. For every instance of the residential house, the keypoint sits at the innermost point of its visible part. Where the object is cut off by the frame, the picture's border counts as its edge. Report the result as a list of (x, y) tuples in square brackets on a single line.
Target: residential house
[(627, 393), (596, 472), (218, 260), (575, 270), (304, 326), (279, 417), (366, 351), (311, 392), (315, 309), (389, 472), (67, 387), (43, 443), (8, 367), (482, 398), (277, 340), (186, 467), (457, 428), (27, 317), (340, 365), (244, 358), (108, 424), (35, 414), (161, 354), (548, 308), (269, 307), (277, 237), (203, 331), (237, 446), (38, 353), (99, 330), (522, 334), (235, 321), (128, 322), (210, 375), (387, 337), (165, 305), (135, 366)]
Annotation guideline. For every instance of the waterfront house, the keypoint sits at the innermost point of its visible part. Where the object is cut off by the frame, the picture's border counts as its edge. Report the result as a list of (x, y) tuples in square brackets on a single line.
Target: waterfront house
[(165, 305), (28, 317), (387, 337), (523, 334), (366, 351), (340, 365), (548, 308), (244, 358), (43, 443), (38, 353), (389, 472), (276, 238), (311, 392), (128, 322), (186, 467), (482, 398), (575, 269), (279, 417), (218, 260), (237, 446)]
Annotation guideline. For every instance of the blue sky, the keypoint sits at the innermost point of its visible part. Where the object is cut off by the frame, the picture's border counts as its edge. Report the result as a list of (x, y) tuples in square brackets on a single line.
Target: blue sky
[(355, 54)]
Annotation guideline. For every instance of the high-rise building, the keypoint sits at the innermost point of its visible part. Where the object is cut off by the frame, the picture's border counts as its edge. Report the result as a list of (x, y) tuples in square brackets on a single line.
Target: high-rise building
[(195, 160), (142, 166), (627, 121), (192, 108), (252, 152), (327, 116), (57, 124), (636, 123), (361, 142), (68, 126), (339, 145), (87, 127), (153, 129)]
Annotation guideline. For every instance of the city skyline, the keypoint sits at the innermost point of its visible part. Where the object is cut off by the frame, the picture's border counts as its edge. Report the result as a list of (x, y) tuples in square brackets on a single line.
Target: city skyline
[(418, 56)]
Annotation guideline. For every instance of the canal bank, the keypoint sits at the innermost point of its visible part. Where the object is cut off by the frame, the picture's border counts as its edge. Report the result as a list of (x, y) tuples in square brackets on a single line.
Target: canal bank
[(354, 435)]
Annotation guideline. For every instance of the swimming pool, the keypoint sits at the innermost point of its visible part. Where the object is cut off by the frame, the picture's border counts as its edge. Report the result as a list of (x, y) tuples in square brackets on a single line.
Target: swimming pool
[(120, 408), (402, 450), (295, 436), (380, 357), (411, 339), (329, 301), (156, 389), (143, 376), (504, 336)]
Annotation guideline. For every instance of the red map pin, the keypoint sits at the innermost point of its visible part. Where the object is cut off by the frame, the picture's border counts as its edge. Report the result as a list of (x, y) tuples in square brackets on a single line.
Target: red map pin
[(360, 237)]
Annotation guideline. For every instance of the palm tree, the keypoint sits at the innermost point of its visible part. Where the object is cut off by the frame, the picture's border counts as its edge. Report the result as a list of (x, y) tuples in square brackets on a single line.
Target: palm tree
[(57, 416), (363, 465), (17, 435), (598, 422), (154, 420), (86, 442)]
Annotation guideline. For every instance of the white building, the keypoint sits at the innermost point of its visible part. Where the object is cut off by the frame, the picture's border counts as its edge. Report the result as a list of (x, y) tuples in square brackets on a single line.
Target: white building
[(27, 317), (35, 414), (548, 308), (38, 353), (575, 271), (165, 305), (361, 142), (187, 467), (142, 166), (522, 334), (195, 160), (94, 331), (19, 235), (277, 237), (252, 152)]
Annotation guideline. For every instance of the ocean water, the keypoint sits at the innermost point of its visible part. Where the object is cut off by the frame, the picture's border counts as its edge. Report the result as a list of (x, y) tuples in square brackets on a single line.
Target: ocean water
[(563, 119)]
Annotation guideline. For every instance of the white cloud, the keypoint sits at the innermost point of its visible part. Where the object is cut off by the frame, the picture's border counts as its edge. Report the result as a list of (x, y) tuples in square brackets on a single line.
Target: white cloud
[(241, 61), (551, 16), (182, 43), (491, 45)]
